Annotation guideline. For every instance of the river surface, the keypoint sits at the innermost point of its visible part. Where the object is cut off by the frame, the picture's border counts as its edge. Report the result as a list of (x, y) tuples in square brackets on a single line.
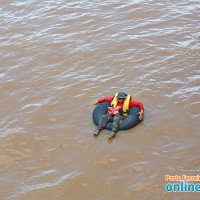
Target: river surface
[(57, 57)]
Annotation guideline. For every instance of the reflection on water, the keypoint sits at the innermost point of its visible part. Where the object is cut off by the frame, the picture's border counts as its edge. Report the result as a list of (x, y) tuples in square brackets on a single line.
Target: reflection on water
[(57, 57)]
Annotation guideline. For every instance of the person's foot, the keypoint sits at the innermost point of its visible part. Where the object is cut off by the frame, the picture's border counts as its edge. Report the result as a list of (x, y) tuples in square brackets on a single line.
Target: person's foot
[(112, 135), (96, 132)]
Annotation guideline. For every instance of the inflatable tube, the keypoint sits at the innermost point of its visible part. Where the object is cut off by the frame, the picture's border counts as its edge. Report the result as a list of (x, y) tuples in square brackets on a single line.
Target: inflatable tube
[(129, 122)]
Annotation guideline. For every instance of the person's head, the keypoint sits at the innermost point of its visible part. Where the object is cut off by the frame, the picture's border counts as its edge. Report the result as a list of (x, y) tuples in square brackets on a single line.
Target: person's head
[(121, 97)]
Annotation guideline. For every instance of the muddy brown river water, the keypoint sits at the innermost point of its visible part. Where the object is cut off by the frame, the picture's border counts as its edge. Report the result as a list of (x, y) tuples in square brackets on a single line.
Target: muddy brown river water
[(56, 57)]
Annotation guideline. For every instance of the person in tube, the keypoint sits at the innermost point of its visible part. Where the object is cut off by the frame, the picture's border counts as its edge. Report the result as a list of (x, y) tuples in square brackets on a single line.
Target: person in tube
[(120, 103)]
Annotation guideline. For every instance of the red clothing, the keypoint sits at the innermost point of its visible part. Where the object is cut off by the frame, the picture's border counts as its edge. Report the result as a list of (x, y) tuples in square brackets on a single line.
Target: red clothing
[(131, 103)]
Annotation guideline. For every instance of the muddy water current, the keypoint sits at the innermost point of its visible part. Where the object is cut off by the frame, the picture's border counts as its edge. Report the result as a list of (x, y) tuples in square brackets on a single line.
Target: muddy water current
[(57, 57)]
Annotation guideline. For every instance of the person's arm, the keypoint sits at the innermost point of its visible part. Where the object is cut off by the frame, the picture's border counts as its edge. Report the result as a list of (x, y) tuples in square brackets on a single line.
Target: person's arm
[(135, 103), (103, 100)]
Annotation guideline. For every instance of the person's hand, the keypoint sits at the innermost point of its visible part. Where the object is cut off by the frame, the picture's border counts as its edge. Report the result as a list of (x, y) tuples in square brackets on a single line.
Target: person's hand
[(95, 103), (141, 113)]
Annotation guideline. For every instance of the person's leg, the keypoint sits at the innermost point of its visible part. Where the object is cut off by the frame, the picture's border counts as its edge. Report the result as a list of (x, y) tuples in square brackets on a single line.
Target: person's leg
[(117, 120), (104, 120), (102, 123)]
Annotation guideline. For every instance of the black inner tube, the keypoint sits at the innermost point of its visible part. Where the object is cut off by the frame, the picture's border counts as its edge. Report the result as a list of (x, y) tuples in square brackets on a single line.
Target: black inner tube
[(129, 122)]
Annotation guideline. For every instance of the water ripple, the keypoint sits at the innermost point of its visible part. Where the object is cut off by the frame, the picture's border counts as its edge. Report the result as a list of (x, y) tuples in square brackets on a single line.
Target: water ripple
[(58, 56), (26, 189)]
